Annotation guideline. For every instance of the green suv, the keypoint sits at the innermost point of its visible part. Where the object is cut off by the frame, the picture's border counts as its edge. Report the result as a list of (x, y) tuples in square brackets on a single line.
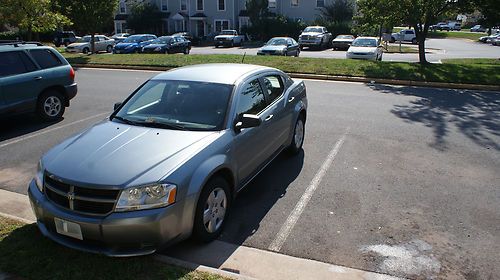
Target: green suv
[(34, 78)]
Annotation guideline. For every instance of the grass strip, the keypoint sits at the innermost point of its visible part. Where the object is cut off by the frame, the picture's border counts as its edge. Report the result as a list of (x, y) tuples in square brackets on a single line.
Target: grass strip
[(24, 252), (467, 71)]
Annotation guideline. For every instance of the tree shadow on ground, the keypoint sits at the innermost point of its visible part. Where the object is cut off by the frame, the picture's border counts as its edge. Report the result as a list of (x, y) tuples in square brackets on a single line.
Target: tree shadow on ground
[(20, 125), (472, 113)]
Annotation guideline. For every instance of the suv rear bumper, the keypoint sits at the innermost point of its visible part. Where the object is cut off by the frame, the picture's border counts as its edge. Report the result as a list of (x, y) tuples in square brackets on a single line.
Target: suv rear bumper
[(71, 91)]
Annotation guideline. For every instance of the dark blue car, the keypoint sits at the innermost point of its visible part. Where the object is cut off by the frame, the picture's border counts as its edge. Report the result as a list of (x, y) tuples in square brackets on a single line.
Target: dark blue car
[(168, 45), (134, 43)]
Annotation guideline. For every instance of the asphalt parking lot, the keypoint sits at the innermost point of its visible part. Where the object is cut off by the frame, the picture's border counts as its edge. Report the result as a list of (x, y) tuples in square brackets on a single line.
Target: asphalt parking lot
[(438, 49), (405, 180)]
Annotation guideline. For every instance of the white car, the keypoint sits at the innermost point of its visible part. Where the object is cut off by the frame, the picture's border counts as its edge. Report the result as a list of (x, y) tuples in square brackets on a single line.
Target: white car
[(406, 35), (228, 38), (365, 48), (102, 44)]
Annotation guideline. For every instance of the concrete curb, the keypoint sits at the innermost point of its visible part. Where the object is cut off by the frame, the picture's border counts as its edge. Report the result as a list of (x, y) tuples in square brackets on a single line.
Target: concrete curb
[(321, 77)]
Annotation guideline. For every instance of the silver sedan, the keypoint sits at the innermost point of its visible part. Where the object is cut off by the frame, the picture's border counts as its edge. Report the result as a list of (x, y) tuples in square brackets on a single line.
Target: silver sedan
[(169, 161), (102, 44)]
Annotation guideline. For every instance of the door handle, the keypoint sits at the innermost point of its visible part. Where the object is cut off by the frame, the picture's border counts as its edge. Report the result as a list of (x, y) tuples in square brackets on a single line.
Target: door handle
[(268, 118), (38, 78), (291, 99)]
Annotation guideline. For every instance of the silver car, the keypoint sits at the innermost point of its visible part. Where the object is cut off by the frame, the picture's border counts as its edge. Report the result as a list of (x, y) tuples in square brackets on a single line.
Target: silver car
[(168, 162), (101, 43)]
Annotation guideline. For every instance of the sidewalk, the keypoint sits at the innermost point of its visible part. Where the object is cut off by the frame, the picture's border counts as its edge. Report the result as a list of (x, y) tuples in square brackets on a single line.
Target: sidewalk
[(219, 257)]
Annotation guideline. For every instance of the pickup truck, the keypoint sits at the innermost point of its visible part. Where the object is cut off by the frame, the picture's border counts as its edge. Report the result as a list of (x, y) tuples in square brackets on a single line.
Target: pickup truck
[(315, 36), (405, 35), (228, 38)]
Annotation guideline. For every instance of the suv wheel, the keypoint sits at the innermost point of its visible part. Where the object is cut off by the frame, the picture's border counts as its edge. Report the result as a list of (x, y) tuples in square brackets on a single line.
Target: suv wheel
[(298, 136), (211, 210), (50, 105)]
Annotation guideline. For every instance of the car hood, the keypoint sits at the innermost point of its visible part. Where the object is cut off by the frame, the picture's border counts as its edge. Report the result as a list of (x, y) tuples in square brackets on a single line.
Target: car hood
[(224, 36), (362, 49), (78, 45), (115, 154), (310, 33), (343, 40), (152, 46), (124, 45), (273, 48)]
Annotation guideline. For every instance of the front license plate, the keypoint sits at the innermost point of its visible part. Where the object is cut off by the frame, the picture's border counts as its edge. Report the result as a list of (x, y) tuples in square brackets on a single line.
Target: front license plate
[(68, 228)]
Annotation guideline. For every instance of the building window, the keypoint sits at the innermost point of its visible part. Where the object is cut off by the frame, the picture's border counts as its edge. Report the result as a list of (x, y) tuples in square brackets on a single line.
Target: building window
[(123, 7), (295, 3), (221, 5), (183, 5), (163, 5), (199, 5), (221, 24), (272, 4), (320, 3)]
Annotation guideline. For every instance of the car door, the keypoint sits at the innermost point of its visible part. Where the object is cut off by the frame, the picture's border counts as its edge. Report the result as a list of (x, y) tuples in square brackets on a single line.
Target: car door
[(279, 118), (19, 82), (48, 62), (249, 145)]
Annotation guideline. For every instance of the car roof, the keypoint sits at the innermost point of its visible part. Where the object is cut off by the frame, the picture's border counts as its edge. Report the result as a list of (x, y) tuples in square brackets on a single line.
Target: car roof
[(365, 37), (221, 73), (281, 38), (20, 46)]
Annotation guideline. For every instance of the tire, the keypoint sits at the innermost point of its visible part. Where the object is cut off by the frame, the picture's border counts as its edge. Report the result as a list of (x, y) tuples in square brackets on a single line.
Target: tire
[(393, 40), (297, 142), (186, 50), (109, 49), (50, 105), (207, 221), (232, 44), (66, 43), (297, 53), (85, 51), (414, 41)]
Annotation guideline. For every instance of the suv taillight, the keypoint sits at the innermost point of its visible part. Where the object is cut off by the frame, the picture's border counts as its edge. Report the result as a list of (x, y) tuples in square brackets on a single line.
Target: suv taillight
[(72, 73)]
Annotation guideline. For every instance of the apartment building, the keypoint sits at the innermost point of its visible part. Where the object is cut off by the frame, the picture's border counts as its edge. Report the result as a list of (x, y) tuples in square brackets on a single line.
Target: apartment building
[(204, 17)]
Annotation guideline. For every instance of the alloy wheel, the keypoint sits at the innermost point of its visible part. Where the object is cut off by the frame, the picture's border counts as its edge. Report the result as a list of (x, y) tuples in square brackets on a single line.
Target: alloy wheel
[(215, 210)]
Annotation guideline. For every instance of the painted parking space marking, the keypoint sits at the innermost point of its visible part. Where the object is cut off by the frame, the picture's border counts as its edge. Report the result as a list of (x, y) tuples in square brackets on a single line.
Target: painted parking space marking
[(294, 216), (50, 130)]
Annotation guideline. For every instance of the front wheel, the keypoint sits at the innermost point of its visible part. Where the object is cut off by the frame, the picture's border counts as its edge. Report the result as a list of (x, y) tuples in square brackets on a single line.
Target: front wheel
[(298, 136), (85, 50), (186, 50), (211, 210), (414, 41), (109, 49), (50, 105)]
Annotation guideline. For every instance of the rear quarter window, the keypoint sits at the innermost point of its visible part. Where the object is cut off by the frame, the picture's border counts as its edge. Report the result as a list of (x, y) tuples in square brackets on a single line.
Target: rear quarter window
[(13, 63), (45, 58)]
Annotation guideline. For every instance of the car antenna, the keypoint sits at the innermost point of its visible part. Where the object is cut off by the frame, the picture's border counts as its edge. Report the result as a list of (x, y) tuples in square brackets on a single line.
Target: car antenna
[(243, 59)]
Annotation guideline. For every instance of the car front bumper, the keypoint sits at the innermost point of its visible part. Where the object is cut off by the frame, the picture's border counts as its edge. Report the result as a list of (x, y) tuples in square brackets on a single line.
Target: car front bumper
[(224, 42), (367, 56), (120, 234), (127, 50), (309, 43)]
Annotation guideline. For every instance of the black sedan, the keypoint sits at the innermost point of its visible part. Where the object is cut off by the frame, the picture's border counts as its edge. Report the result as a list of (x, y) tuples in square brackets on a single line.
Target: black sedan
[(342, 42), (168, 44)]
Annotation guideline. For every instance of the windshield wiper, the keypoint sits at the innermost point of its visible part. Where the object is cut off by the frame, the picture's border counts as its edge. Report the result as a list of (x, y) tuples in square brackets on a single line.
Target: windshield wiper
[(127, 121), (163, 125)]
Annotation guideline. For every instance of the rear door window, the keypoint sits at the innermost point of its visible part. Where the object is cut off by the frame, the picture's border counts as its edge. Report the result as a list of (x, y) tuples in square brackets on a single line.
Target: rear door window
[(13, 63), (273, 85), (45, 58), (251, 99)]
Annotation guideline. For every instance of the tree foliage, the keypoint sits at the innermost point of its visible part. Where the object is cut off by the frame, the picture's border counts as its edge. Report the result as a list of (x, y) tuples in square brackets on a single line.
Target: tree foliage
[(32, 16), (490, 11), (419, 14), (257, 10), (340, 11), (144, 18)]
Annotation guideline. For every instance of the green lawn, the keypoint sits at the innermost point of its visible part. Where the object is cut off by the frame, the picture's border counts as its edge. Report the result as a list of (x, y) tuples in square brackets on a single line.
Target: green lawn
[(456, 34), (24, 252), (487, 72), (404, 49)]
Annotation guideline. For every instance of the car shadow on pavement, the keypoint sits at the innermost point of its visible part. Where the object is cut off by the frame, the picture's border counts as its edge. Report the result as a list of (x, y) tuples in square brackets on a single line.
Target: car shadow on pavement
[(472, 113), (13, 127), (249, 208)]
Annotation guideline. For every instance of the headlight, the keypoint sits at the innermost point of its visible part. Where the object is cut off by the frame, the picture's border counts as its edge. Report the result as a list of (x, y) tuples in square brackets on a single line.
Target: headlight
[(39, 176), (129, 46), (319, 36), (146, 197)]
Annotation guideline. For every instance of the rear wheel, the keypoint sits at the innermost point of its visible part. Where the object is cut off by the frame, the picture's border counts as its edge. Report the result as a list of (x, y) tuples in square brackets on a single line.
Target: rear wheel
[(85, 50), (50, 105), (298, 136), (414, 41), (109, 49), (211, 210)]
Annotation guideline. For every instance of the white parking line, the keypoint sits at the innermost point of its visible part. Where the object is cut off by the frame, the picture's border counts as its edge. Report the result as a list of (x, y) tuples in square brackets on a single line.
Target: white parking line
[(302, 203), (50, 130)]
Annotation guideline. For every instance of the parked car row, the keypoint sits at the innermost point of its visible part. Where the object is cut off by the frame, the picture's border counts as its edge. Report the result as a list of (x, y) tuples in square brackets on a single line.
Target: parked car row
[(493, 39)]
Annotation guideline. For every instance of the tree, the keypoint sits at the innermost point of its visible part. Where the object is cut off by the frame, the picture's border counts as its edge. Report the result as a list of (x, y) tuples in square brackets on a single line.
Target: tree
[(419, 14), (340, 11), (257, 10), (32, 16), (144, 18), (490, 11), (89, 16)]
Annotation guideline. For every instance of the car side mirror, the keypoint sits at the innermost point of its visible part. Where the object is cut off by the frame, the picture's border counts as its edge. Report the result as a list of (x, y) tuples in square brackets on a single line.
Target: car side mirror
[(116, 106), (246, 121)]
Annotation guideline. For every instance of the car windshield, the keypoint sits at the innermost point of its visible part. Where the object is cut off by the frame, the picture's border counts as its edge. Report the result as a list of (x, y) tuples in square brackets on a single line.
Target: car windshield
[(277, 42), (161, 40), (132, 39), (364, 42), (345, 37), (184, 105), (84, 39), (313, 29), (227, 32)]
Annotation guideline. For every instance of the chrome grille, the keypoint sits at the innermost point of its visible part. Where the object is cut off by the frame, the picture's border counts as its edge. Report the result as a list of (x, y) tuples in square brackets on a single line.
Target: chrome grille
[(80, 199)]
